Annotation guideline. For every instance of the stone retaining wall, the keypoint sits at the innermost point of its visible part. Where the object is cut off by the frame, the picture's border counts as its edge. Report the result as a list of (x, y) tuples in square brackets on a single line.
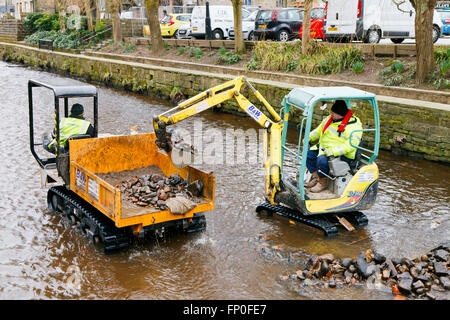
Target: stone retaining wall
[(414, 131)]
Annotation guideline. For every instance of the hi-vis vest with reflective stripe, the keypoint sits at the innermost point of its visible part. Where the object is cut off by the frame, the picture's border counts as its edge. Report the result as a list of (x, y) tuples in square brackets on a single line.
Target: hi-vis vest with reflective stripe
[(69, 127), (331, 138)]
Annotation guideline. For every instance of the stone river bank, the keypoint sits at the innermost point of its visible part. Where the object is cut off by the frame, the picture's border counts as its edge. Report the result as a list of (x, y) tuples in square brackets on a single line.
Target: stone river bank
[(409, 127)]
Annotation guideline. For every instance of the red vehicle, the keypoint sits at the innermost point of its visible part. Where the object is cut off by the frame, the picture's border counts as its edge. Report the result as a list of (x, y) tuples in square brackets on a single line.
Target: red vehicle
[(317, 16)]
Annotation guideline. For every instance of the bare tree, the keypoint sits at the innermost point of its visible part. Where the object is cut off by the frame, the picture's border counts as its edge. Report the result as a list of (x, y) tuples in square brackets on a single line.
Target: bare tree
[(89, 7), (424, 36), (239, 44), (61, 6), (155, 30), (114, 8), (306, 36)]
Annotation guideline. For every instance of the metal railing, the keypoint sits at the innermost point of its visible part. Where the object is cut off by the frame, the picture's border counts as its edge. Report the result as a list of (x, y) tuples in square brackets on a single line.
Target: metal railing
[(86, 39)]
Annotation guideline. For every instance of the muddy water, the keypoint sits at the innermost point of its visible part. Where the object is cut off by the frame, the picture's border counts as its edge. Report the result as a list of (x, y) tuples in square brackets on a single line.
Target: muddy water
[(40, 253)]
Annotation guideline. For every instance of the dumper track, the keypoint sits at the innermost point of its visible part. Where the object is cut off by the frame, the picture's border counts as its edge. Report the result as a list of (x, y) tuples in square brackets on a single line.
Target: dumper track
[(91, 222), (317, 221)]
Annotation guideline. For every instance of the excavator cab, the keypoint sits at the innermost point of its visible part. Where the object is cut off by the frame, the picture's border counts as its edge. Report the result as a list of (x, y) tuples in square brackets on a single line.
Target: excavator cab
[(55, 168), (351, 187)]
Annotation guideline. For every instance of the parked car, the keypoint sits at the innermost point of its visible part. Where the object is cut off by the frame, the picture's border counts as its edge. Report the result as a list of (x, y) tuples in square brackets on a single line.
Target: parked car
[(371, 20), (278, 24), (248, 27), (172, 22), (222, 20), (185, 31), (444, 15), (317, 17)]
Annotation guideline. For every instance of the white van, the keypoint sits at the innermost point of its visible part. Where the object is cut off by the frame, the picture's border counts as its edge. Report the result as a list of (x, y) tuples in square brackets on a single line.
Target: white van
[(222, 20), (371, 20)]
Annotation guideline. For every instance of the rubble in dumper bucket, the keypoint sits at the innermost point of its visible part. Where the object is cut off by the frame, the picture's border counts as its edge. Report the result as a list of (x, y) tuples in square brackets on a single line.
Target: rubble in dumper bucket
[(153, 190)]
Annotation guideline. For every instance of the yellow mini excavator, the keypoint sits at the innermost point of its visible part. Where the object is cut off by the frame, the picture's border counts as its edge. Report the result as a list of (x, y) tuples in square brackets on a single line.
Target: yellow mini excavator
[(351, 187)]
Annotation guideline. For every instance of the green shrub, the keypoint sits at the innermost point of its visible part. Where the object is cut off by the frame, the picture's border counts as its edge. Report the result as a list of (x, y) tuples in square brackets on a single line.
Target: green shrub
[(292, 66), (386, 72), (149, 47), (129, 48), (29, 21), (198, 53), (444, 65), (229, 58), (191, 51), (397, 66), (322, 60), (395, 80), (358, 67), (181, 50), (222, 51), (47, 22), (99, 25), (166, 45), (441, 83), (252, 64)]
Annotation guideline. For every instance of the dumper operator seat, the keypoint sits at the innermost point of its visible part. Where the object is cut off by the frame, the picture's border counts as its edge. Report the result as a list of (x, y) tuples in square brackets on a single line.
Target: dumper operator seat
[(61, 159)]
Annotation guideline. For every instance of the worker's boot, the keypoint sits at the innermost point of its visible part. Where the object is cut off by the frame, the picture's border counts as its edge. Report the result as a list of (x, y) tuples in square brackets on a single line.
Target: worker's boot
[(321, 185), (313, 181)]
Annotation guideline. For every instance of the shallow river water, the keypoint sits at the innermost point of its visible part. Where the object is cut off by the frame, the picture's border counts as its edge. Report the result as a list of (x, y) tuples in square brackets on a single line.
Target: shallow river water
[(39, 251)]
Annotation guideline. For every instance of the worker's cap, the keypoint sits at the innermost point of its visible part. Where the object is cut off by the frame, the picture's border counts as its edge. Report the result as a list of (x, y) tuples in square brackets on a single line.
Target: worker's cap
[(340, 107), (77, 110)]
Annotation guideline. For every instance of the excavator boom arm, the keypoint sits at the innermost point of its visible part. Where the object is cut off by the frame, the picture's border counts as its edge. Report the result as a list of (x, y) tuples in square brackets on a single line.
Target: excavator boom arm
[(217, 95)]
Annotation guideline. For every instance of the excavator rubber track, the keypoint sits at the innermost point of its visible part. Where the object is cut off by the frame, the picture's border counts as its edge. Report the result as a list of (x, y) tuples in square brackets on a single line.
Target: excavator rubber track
[(319, 222), (91, 222)]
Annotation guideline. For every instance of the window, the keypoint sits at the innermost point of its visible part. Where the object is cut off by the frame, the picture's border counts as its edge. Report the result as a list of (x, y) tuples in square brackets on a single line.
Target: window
[(265, 15), (294, 15), (166, 19), (317, 13)]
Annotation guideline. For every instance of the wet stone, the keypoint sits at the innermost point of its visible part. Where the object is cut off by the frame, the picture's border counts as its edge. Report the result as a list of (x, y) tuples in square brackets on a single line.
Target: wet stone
[(379, 258), (352, 268), (327, 257), (391, 267), (404, 285), (311, 261), (346, 262), (324, 268), (445, 282), (441, 255), (332, 283), (440, 269), (363, 267), (418, 285)]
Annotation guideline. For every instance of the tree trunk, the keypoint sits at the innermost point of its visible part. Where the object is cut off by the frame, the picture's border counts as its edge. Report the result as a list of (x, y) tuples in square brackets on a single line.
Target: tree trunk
[(152, 7), (424, 38), (239, 44), (306, 36), (89, 8), (114, 9), (97, 10), (61, 5)]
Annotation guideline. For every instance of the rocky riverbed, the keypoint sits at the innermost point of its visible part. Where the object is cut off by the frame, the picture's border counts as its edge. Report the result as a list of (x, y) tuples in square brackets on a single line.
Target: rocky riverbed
[(424, 277)]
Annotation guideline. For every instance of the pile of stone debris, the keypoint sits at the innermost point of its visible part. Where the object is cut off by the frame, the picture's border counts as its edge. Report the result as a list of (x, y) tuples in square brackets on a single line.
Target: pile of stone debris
[(422, 277), (154, 190)]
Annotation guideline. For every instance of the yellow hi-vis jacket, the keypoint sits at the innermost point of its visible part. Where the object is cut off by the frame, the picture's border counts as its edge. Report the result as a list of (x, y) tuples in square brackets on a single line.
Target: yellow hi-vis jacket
[(70, 127), (338, 142)]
